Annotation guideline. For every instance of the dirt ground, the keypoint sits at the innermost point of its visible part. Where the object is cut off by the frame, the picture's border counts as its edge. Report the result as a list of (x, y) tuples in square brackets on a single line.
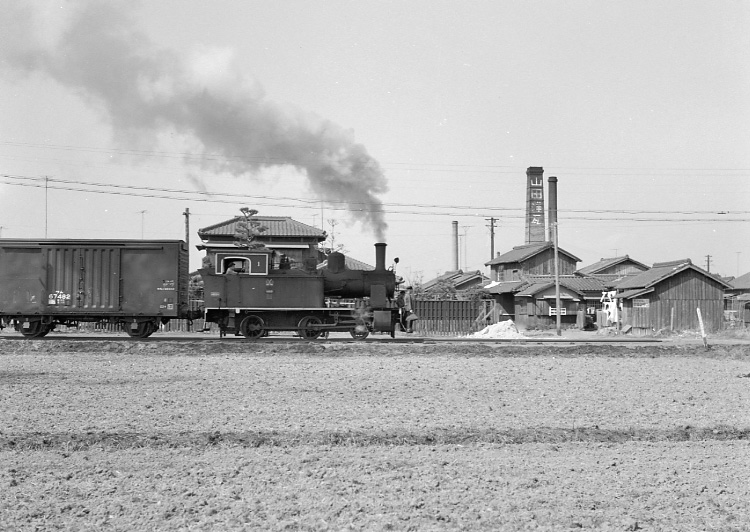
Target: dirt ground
[(124, 435)]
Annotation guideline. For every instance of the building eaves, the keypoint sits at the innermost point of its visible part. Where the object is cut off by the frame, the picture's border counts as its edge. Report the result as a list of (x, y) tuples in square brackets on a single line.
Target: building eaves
[(741, 283), (525, 252), (661, 271), (276, 226)]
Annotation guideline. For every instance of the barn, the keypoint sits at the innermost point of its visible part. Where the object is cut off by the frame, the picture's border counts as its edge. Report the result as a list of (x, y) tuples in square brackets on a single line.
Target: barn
[(667, 297)]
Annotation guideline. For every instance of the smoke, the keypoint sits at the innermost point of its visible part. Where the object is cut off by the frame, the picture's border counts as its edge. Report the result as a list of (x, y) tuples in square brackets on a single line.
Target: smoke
[(95, 49)]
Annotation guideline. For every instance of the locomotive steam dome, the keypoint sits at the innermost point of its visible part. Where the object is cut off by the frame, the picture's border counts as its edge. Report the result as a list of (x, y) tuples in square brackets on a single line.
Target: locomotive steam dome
[(336, 262)]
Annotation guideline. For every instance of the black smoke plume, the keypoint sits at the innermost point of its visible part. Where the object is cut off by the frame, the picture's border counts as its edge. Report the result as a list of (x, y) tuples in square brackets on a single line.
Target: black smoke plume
[(96, 49)]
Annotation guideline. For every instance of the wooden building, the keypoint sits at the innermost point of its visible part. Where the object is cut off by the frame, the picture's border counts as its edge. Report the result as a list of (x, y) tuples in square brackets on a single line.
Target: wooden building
[(296, 240), (615, 266), (531, 259), (451, 284), (536, 302), (668, 295)]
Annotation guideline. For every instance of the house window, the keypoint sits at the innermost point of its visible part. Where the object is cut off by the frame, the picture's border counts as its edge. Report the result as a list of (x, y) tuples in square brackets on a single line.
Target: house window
[(640, 303), (531, 308)]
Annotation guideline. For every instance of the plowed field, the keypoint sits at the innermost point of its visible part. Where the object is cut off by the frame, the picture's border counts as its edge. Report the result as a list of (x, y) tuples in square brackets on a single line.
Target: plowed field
[(123, 435)]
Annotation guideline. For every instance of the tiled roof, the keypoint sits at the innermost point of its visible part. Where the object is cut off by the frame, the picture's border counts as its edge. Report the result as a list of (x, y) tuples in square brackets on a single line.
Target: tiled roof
[(603, 264), (504, 287), (521, 253), (351, 264), (456, 278), (575, 283), (276, 226)]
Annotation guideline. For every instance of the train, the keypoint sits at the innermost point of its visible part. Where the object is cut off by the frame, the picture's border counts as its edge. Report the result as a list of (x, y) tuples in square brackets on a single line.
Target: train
[(140, 284)]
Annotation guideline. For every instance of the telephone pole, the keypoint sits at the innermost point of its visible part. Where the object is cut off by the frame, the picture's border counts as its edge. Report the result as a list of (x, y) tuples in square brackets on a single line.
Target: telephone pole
[(186, 214), (492, 236)]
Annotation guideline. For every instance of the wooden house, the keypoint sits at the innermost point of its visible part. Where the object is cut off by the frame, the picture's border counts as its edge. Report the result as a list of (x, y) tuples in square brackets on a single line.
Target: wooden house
[(737, 301), (536, 302), (296, 240), (614, 268), (668, 295), (531, 259)]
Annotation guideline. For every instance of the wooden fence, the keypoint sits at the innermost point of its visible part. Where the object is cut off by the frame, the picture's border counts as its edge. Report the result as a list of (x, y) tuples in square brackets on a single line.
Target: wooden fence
[(453, 318)]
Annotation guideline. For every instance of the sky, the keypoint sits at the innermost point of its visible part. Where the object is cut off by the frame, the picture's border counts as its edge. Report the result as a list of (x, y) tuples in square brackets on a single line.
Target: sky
[(383, 121)]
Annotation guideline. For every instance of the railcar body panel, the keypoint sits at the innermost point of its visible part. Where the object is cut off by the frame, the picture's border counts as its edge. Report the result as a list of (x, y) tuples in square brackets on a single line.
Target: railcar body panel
[(282, 289), (92, 279)]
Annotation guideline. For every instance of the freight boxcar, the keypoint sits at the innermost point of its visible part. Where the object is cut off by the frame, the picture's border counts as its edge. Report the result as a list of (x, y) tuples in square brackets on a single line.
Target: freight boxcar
[(135, 283)]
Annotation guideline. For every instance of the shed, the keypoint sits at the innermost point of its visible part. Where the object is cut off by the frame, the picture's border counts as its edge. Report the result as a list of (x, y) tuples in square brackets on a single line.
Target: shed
[(668, 295)]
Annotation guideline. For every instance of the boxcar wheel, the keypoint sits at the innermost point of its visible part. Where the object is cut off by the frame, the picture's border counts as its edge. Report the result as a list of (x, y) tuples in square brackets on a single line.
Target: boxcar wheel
[(252, 327), (309, 328), (36, 329), (144, 329)]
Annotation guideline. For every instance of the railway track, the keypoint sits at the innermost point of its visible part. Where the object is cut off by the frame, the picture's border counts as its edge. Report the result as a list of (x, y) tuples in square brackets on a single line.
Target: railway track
[(372, 339)]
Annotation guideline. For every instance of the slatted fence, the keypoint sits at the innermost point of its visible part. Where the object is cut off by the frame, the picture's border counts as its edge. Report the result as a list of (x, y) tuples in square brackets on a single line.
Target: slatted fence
[(452, 318)]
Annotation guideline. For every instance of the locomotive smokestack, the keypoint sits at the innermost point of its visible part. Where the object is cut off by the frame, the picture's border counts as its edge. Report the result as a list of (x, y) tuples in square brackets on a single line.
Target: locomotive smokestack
[(380, 256), (455, 245), (552, 181)]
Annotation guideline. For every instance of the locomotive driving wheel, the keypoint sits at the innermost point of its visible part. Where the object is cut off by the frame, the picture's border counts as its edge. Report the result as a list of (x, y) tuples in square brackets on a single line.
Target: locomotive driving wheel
[(309, 328), (252, 327), (360, 330)]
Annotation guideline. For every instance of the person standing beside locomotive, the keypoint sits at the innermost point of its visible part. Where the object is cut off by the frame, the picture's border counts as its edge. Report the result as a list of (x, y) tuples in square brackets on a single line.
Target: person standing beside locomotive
[(401, 313), (409, 316)]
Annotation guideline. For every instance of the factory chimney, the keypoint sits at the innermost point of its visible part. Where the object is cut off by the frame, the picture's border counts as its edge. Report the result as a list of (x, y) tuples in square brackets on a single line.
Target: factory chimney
[(534, 205), (552, 215), (455, 245)]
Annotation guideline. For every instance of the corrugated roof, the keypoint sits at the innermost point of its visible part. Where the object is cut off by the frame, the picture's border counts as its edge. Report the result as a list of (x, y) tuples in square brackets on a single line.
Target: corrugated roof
[(661, 271), (276, 226), (741, 283), (603, 264), (522, 253)]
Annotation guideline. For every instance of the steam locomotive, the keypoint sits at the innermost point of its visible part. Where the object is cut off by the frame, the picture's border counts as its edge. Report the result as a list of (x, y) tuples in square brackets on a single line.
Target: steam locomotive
[(139, 284)]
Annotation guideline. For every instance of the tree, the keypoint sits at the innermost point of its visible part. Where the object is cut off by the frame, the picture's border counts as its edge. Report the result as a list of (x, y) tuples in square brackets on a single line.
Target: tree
[(246, 230)]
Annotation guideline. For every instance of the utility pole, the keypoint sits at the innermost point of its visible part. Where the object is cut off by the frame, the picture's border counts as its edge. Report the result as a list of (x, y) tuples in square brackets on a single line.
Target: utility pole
[(557, 282), (708, 263), (738, 259), (186, 214), (142, 222), (46, 189), (492, 236)]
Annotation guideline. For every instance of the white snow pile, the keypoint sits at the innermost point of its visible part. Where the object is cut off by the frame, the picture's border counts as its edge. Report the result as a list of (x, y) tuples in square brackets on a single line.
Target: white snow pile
[(503, 329)]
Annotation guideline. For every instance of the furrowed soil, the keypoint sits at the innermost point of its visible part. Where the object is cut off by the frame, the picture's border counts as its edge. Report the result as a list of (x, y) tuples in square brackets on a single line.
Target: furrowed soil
[(124, 435)]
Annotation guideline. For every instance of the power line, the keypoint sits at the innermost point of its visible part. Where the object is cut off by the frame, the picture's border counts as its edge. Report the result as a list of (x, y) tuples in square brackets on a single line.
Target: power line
[(395, 208), (416, 166)]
